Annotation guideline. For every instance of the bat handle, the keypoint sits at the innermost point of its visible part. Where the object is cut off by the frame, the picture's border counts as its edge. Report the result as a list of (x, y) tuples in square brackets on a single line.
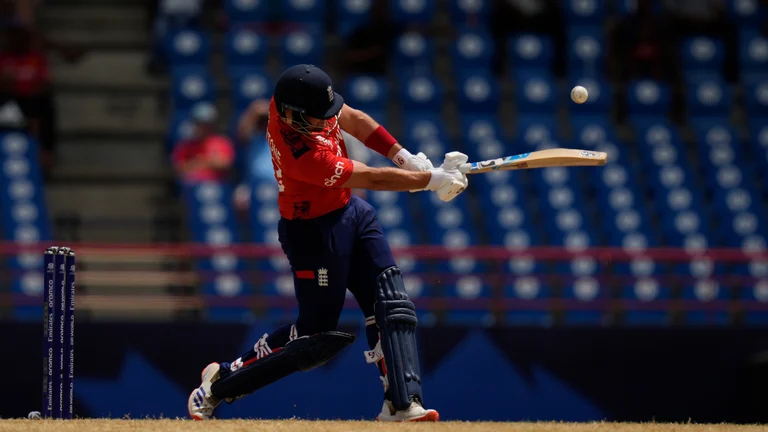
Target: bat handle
[(466, 168)]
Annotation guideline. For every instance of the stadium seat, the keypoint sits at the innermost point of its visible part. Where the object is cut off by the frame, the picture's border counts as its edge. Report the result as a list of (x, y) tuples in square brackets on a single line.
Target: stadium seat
[(586, 51), (478, 127), (703, 55), (470, 13), (588, 295), (478, 93), (212, 222), (351, 14), (24, 216), (753, 299), (302, 46), (535, 92), (472, 51), (247, 11), (413, 11), (647, 98), (188, 48), (304, 11), (423, 125), (531, 51), (245, 48), (191, 88), (707, 98), (414, 54), (747, 13), (589, 131), (366, 92), (248, 87), (421, 93), (585, 12), (532, 130), (470, 302), (528, 302), (753, 52), (756, 96), (645, 302)]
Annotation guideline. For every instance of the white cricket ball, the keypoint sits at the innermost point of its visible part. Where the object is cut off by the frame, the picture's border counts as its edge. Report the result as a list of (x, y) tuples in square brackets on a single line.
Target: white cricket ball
[(579, 94), (34, 415)]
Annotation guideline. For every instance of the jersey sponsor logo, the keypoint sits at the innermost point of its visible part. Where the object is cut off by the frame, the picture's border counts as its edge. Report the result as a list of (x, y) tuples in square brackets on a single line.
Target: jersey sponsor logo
[(588, 153), (336, 175)]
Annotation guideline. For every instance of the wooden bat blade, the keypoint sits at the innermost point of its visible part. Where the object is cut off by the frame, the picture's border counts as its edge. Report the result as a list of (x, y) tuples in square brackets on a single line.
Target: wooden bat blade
[(538, 159)]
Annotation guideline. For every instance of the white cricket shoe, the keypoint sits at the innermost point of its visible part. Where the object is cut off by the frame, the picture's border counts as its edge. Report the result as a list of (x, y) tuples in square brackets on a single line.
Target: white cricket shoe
[(414, 413), (201, 402)]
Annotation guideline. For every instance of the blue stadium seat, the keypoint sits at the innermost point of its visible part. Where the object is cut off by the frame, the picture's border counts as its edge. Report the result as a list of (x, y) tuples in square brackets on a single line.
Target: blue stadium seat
[(189, 89), (303, 11), (212, 222), (24, 216), (530, 50), (472, 51), (470, 13), (586, 51), (647, 98), (366, 92), (585, 12), (247, 11), (589, 131), (708, 97), (248, 87), (423, 125), (478, 93), (588, 296), (532, 130), (747, 13), (699, 294), (180, 128), (478, 127), (703, 55), (530, 302), (302, 46), (756, 96), (245, 48), (470, 302), (413, 11), (753, 299), (535, 92), (753, 52), (646, 303), (414, 54), (351, 14), (600, 100), (421, 93), (188, 48)]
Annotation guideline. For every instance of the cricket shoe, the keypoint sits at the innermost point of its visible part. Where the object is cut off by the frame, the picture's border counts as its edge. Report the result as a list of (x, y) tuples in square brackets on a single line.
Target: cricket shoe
[(201, 402), (414, 413)]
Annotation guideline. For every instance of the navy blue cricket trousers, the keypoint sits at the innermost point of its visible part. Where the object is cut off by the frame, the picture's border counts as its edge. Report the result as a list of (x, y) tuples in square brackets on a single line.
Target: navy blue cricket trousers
[(344, 249)]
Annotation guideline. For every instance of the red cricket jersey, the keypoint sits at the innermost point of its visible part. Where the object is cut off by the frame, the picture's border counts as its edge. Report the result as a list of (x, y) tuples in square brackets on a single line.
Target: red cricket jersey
[(309, 169), (209, 146)]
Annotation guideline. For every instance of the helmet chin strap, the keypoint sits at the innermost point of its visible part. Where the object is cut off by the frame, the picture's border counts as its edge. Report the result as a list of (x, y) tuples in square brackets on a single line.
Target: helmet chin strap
[(297, 121)]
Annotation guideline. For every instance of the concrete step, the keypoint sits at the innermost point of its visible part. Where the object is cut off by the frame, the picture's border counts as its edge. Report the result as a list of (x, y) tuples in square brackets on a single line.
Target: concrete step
[(102, 201), (94, 17), (100, 38), (109, 70), (105, 155), (110, 114)]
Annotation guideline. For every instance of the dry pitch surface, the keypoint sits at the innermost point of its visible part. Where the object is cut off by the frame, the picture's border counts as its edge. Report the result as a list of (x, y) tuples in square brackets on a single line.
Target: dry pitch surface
[(350, 426)]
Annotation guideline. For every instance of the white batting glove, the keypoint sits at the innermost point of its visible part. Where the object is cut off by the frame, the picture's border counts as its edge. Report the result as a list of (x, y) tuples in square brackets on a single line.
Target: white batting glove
[(405, 160), (448, 183)]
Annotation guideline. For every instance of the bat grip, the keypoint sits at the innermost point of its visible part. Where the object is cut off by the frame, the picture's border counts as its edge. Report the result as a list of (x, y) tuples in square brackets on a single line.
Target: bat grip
[(466, 168)]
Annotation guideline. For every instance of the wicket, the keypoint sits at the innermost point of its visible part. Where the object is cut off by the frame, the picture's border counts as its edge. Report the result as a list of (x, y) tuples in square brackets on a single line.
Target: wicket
[(59, 333)]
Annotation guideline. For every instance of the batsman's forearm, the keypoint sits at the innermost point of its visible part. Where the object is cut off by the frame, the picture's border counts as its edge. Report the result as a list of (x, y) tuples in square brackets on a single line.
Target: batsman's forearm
[(396, 179)]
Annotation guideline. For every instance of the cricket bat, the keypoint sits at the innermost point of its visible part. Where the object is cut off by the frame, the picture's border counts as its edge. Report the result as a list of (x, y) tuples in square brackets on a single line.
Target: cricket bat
[(538, 159)]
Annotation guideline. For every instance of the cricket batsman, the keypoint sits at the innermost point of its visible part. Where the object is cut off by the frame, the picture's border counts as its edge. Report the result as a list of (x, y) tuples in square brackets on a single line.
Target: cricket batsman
[(334, 242)]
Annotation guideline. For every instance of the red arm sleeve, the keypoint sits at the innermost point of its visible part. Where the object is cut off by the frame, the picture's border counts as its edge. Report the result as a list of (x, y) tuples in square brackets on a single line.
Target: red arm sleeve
[(321, 167)]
